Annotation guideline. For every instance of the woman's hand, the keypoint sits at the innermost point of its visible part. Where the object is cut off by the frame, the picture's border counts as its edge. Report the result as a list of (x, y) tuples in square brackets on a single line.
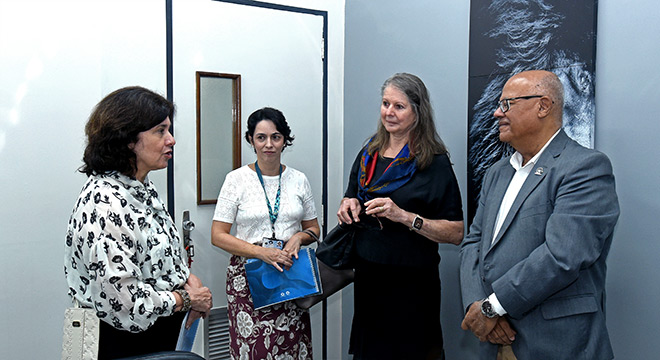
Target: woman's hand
[(292, 246), (193, 316), (349, 211), (386, 208), (438, 230), (200, 297), (275, 257), (194, 281)]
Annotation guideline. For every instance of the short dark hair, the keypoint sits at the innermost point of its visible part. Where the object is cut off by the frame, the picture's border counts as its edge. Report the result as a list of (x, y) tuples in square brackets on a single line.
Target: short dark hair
[(276, 117), (115, 123)]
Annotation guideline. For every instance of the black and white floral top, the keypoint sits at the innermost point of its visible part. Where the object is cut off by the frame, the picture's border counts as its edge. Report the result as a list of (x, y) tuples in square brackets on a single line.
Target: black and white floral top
[(123, 253)]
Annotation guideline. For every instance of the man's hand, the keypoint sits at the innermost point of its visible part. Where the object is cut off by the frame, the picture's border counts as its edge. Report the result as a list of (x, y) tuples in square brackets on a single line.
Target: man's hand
[(478, 323), (503, 333)]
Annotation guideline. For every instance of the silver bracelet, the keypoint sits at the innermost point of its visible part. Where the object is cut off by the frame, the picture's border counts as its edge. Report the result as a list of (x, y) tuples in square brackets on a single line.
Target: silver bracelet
[(187, 304)]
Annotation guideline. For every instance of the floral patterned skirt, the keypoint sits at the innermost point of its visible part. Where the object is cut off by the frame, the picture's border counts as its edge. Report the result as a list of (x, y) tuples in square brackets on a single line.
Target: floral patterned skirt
[(278, 332)]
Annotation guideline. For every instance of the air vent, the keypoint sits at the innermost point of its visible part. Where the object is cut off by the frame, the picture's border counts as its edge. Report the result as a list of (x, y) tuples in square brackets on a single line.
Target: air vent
[(216, 328)]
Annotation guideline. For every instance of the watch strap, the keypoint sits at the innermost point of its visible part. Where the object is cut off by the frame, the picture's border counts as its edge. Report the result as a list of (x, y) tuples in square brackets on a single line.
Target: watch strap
[(187, 304)]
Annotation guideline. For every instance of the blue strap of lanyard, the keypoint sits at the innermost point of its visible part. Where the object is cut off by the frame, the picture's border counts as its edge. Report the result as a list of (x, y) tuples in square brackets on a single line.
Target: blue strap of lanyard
[(272, 212)]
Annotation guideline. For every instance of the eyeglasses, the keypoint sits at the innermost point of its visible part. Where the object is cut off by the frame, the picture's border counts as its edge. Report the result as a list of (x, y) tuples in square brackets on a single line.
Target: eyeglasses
[(505, 105)]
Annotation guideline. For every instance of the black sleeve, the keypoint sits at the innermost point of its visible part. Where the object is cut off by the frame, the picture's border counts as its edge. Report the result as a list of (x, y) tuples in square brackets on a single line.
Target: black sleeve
[(451, 204), (433, 192), (352, 188)]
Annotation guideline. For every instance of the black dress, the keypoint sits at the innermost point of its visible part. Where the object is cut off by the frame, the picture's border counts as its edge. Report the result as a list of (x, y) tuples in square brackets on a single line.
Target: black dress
[(397, 281)]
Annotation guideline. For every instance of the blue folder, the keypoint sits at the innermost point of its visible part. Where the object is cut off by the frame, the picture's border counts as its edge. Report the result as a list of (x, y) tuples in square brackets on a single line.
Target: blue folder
[(269, 286)]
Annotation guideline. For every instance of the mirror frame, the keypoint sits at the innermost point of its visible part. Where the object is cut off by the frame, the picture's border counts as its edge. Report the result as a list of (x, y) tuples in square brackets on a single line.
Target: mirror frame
[(235, 127)]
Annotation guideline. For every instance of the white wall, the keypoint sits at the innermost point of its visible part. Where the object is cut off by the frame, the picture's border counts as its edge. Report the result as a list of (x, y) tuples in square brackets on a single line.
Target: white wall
[(58, 60), (278, 54), (337, 328)]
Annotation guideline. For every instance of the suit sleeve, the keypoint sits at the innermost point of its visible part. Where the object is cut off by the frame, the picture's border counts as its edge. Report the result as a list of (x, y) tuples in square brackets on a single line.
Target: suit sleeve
[(577, 234), (471, 288)]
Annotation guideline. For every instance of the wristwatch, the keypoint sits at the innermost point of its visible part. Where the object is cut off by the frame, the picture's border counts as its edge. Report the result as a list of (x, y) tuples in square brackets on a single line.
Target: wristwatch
[(487, 309), (417, 223)]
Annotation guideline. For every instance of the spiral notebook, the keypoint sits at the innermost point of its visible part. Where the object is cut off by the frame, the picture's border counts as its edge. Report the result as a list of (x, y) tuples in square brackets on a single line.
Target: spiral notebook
[(269, 286)]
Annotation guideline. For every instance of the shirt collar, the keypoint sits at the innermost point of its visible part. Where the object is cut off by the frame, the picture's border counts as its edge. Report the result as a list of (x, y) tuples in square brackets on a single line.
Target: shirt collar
[(517, 158), (143, 192)]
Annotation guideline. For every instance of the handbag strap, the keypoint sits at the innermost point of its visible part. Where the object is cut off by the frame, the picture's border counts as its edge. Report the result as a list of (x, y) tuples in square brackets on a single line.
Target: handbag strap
[(312, 234)]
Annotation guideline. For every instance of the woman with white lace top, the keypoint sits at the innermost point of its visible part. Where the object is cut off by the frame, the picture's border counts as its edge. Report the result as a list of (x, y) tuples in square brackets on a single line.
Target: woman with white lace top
[(265, 200), (124, 256)]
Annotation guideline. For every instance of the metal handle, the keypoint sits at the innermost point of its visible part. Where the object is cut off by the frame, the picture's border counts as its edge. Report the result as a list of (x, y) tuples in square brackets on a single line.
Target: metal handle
[(187, 225)]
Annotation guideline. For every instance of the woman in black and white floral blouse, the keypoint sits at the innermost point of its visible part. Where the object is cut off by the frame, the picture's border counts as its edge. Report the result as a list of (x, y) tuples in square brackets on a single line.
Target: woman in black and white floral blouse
[(124, 256)]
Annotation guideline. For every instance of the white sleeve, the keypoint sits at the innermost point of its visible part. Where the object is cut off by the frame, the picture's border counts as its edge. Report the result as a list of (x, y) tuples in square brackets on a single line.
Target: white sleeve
[(309, 207), (228, 200)]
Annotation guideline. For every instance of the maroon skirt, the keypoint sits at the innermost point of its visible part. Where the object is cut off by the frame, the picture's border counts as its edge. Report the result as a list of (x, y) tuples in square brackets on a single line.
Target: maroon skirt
[(279, 331)]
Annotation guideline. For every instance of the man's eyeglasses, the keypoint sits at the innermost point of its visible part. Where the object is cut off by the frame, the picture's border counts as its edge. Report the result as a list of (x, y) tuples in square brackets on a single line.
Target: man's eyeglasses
[(505, 105)]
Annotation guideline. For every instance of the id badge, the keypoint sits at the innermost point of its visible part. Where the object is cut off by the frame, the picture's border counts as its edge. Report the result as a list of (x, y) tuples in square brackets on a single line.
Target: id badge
[(272, 243)]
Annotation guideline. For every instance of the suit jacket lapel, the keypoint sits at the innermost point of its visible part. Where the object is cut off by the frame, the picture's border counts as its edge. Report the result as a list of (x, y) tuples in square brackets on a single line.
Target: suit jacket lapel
[(503, 176), (538, 173)]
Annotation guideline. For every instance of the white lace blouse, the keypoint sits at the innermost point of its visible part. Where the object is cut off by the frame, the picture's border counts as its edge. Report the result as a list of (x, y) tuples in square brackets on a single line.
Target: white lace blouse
[(242, 202), (123, 253)]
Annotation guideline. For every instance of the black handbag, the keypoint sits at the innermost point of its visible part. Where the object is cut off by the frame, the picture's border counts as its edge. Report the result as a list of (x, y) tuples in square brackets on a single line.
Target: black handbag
[(336, 250), (332, 280), (335, 257)]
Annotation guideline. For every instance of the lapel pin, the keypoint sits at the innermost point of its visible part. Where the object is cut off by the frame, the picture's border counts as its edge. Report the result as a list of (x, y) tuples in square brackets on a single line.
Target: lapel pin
[(539, 171)]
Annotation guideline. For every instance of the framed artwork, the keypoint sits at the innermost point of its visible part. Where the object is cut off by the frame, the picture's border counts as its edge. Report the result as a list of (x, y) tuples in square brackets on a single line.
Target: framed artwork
[(510, 36)]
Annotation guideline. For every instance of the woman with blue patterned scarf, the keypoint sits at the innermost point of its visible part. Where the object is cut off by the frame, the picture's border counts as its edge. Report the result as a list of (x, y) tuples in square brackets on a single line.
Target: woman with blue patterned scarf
[(402, 188)]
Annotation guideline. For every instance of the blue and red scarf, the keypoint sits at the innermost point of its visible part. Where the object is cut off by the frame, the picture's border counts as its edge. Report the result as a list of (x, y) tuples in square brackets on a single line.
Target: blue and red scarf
[(397, 174)]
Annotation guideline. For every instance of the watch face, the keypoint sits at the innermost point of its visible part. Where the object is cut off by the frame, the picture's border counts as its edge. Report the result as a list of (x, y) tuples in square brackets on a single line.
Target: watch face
[(417, 224), (487, 309), (485, 306)]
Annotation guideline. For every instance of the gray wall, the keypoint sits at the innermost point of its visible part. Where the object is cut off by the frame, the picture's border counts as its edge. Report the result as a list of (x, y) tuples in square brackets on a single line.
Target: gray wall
[(430, 38)]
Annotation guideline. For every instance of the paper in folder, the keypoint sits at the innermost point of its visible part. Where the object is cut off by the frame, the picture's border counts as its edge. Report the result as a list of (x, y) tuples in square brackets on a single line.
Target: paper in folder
[(270, 286)]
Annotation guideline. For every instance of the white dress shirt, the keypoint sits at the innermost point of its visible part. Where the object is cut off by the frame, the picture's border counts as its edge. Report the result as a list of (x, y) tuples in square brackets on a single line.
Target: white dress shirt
[(522, 171)]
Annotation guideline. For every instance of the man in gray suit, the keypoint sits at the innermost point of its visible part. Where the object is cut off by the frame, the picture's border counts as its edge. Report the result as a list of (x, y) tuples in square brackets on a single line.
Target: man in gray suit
[(533, 264)]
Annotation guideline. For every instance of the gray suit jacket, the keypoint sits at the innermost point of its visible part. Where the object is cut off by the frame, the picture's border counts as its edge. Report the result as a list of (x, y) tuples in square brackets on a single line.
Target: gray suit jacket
[(547, 264)]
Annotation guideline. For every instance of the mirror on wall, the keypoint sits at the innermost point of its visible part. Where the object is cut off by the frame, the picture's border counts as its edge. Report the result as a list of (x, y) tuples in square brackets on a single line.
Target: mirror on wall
[(218, 131)]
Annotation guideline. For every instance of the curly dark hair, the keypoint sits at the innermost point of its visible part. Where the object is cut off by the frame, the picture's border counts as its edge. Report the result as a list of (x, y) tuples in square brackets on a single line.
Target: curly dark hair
[(276, 117), (115, 123)]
